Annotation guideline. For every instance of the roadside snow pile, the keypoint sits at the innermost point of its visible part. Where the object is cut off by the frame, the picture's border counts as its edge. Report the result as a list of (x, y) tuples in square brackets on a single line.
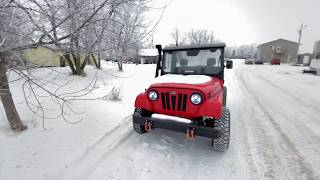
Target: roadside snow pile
[(116, 92), (275, 132), (72, 145), (183, 79)]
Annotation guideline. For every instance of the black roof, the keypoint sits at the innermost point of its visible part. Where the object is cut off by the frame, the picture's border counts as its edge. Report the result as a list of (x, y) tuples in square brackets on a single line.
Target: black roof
[(205, 46)]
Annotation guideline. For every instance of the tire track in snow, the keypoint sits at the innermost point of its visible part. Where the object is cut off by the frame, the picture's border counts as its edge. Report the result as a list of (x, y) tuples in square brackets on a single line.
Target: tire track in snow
[(294, 89), (305, 166), (97, 152), (100, 141), (297, 98), (122, 142), (249, 146), (257, 146), (241, 135), (299, 101)]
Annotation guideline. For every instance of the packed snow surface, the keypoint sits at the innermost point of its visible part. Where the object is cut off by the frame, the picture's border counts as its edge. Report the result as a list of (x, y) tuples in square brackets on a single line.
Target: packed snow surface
[(275, 116), (183, 79)]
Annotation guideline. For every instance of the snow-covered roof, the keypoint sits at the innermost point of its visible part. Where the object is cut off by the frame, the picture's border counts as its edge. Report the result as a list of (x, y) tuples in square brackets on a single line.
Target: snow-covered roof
[(278, 40), (196, 46), (148, 52)]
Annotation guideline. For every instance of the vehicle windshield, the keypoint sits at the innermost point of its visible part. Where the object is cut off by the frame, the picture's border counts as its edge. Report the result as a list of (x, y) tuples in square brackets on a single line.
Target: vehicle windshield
[(194, 61)]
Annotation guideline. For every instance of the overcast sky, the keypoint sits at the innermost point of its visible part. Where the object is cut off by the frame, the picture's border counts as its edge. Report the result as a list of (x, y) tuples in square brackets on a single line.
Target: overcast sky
[(239, 22)]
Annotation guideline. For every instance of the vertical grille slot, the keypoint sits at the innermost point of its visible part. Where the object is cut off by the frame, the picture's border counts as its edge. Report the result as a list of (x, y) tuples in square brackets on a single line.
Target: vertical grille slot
[(163, 101), (173, 98), (179, 101), (168, 101), (184, 104), (173, 102)]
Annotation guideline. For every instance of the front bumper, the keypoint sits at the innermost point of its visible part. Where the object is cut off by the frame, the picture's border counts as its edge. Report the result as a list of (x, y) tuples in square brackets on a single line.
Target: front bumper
[(179, 126)]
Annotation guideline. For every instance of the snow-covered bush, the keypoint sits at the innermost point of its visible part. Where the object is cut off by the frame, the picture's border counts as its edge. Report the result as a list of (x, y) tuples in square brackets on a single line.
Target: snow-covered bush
[(115, 94)]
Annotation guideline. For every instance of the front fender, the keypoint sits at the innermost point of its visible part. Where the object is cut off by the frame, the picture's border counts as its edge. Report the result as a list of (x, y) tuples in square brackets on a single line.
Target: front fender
[(143, 102), (213, 106)]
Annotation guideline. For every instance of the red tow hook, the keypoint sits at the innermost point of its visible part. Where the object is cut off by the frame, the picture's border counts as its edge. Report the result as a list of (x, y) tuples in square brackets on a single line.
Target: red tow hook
[(147, 126), (190, 134)]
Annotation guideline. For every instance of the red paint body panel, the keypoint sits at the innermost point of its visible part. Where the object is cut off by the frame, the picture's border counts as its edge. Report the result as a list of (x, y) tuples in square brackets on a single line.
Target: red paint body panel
[(142, 101), (211, 106)]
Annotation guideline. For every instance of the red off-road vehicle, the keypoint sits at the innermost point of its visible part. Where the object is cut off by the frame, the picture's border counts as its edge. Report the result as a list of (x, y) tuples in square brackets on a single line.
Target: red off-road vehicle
[(188, 94)]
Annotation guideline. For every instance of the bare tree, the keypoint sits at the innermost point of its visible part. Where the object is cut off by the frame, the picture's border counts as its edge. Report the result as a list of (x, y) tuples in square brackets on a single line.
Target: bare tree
[(175, 35), (6, 98), (130, 30), (76, 28), (201, 37), (83, 24), (11, 33), (243, 51)]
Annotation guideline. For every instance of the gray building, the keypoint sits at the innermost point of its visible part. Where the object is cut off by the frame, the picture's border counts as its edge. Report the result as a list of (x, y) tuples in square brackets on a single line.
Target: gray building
[(282, 49), (316, 50)]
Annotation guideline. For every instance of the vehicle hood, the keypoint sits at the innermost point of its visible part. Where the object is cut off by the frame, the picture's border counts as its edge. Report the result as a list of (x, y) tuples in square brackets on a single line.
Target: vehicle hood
[(183, 79), (200, 82)]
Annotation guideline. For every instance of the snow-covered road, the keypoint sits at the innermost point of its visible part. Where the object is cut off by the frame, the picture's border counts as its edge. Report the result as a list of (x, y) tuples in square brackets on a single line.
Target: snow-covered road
[(275, 124)]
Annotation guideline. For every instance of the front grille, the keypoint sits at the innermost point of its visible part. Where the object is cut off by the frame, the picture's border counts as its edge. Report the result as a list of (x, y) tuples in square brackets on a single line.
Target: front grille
[(169, 102)]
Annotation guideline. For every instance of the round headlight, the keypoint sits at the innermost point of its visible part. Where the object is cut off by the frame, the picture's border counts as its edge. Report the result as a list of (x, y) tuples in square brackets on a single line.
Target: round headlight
[(196, 98), (153, 95)]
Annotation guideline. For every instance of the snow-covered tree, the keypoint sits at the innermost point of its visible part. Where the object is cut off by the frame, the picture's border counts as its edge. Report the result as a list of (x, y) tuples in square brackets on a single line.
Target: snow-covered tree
[(199, 36), (73, 27)]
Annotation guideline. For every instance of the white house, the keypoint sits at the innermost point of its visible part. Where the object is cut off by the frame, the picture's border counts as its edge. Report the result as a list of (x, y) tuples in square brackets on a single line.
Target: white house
[(148, 56)]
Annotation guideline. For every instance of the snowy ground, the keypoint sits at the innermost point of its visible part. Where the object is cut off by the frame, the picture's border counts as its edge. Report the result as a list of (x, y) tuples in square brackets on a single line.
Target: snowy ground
[(275, 132)]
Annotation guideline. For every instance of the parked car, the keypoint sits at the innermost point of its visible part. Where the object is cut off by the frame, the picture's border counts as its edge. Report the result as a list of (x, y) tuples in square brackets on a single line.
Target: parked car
[(248, 61), (275, 62), (258, 61)]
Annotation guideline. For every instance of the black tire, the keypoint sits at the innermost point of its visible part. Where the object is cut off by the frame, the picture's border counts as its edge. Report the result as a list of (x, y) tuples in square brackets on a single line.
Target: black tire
[(222, 143), (139, 128), (224, 96)]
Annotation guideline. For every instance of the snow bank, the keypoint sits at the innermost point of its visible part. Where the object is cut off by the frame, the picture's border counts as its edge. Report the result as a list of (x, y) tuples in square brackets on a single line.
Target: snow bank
[(183, 79), (275, 139), (315, 63)]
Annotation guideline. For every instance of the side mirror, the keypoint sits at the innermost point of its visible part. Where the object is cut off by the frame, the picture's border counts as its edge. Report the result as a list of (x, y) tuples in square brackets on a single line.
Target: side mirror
[(159, 47), (229, 64)]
